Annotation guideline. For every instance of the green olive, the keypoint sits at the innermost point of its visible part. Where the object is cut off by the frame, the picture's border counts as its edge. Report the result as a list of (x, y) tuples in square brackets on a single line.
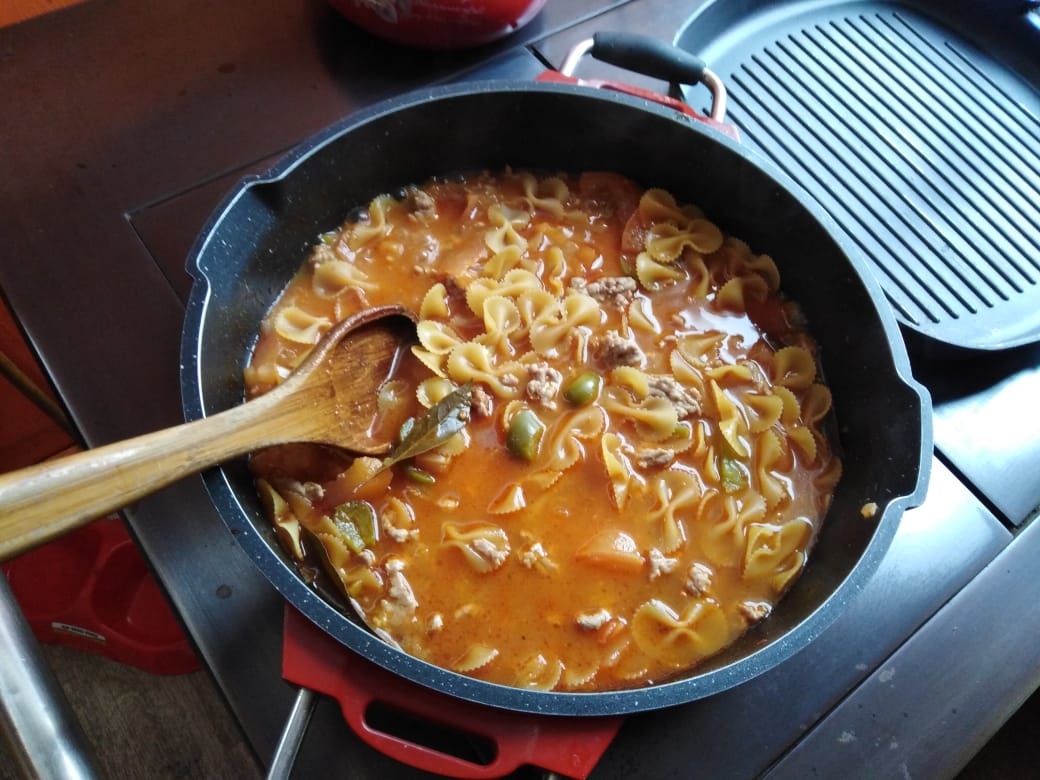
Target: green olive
[(419, 476), (525, 434), (583, 389)]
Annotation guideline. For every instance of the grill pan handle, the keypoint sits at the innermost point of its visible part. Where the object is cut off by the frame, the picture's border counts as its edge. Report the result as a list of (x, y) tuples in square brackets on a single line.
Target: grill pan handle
[(651, 57)]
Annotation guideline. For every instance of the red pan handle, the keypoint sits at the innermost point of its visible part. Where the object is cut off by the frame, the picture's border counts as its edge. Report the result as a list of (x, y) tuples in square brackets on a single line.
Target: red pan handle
[(569, 746)]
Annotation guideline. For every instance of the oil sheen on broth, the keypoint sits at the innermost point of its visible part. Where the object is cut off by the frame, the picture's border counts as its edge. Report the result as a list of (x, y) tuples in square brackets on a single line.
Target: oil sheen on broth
[(643, 466)]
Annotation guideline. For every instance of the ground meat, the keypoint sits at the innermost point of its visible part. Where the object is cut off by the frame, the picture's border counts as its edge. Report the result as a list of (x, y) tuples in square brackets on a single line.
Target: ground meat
[(533, 554), (615, 350), (487, 550), (593, 621), (400, 534), (397, 532), (698, 579), (754, 611), (400, 591), (481, 402), (421, 204), (535, 557), (312, 491), (543, 383), (653, 458), (685, 402), (616, 290), (660, 564)]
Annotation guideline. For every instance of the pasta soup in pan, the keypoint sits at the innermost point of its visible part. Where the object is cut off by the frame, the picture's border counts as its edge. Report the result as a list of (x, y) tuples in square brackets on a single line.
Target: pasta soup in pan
[(612, 455)]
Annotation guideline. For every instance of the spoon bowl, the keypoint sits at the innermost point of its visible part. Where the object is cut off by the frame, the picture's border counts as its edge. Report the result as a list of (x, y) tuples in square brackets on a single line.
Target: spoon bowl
[(331, 398)]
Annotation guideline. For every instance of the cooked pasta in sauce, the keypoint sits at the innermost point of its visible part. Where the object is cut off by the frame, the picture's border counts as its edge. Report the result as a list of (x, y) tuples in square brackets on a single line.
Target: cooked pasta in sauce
[(642, 467)]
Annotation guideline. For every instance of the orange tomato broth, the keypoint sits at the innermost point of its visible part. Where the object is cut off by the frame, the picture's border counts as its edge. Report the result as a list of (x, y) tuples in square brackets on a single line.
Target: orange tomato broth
[(610, 605)]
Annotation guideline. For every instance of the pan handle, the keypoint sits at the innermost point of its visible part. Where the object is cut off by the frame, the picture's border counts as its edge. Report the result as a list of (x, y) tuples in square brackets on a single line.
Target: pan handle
[(509, 740), (651, 57)]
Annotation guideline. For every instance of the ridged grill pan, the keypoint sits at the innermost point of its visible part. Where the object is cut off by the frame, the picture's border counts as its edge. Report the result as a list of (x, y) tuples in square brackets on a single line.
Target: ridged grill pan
[(917, 126)]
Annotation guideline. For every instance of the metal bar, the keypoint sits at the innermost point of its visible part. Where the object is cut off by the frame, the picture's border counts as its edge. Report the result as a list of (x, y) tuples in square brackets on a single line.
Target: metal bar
[(292, 735), (44, 736)]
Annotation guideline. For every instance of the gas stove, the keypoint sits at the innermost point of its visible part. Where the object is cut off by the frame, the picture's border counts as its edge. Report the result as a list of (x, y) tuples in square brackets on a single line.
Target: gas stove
[(119, 172)]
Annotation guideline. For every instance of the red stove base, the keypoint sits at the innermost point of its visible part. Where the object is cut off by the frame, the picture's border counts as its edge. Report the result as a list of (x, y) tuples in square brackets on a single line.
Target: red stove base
[(372, 698)]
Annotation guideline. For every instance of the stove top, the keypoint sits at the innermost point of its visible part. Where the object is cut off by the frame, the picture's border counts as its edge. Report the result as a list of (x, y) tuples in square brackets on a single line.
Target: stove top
[(102, 216)]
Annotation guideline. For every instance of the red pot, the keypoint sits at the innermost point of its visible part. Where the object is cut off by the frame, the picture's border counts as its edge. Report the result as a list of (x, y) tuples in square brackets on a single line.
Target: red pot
[(439, 24)]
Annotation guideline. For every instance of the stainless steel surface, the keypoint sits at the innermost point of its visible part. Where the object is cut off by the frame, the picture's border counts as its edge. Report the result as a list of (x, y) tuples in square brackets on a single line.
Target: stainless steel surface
[(944, 682), (35, 719), (987, 432), (149, 110), (569, 66)]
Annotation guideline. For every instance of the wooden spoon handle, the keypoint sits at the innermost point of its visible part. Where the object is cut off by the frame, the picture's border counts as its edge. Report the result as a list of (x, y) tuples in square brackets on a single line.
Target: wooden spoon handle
[(41, 502)]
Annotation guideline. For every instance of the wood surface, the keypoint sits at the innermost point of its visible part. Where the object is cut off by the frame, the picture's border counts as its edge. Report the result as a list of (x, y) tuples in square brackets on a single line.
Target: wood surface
[(143, 725)]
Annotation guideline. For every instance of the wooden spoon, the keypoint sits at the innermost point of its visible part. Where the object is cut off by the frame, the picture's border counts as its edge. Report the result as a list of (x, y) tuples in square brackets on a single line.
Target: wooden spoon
[(330, 398)]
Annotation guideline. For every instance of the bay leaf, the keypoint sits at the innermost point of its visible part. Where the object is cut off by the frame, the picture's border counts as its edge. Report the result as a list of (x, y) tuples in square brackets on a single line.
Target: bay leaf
[(442, 421)]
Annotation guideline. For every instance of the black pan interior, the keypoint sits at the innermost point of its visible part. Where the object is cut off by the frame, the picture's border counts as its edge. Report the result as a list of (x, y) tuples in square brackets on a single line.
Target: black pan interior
[(259, 237), (917, 126)]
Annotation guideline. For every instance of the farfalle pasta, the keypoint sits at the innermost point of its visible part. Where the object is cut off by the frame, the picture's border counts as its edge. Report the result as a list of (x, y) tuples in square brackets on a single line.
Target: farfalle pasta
[(644, 463)]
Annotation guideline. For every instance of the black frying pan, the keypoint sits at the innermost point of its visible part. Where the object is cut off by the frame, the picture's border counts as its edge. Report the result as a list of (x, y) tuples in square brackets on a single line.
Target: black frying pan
[(260, 235)]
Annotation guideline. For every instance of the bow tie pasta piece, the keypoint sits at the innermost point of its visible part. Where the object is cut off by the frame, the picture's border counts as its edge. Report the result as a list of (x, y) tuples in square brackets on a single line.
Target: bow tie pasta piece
[(501, 321), (554, 329), (776, 553), (295, 325), (504, 234), (437, 337), (546, 194), (514, 284), (376, 224), (676, 492), (333, 276), (667, 241), (484, 547), (434, 303), (539, 673), (680, 640)]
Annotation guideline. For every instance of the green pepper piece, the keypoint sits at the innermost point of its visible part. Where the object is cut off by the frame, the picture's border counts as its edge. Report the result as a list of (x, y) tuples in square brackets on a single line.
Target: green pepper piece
[(356, 523), (525, 434), (734, 477), (583, 389)]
